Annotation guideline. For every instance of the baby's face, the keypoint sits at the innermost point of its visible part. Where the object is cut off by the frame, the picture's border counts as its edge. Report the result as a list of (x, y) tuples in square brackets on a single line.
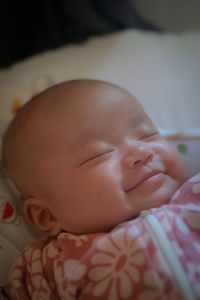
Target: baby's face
[(106, 162)]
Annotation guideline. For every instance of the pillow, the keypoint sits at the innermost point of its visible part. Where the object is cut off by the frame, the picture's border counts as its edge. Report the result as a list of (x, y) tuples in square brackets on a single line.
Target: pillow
[(15, 233)]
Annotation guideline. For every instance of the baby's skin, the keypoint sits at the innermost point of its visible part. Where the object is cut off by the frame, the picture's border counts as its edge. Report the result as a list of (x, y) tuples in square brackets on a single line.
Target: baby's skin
[(87, 157)]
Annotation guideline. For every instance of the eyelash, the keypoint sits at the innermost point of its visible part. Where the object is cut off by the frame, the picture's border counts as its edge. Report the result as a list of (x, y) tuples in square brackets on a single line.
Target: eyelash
[(96, 156), (149, 136)]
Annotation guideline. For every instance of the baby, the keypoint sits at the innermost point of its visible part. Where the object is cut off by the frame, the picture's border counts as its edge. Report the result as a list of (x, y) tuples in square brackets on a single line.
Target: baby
[(86, 157)]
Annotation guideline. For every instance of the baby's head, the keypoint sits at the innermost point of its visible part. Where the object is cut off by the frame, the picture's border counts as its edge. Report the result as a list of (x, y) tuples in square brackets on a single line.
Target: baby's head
[(87, 157)]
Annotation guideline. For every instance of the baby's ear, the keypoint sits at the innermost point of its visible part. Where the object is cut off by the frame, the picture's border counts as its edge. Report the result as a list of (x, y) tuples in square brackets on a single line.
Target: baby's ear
[(41, 217)]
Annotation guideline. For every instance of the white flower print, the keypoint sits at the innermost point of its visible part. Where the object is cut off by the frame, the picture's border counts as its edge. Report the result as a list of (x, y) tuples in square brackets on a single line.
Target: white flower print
[(150, 280), (50, 251), (74, 270), (192, 206), (195, 178), (194, 275), (77, 239), (197, 246), (42, 289), (68, 284), (192, 219), (117, 263), (27, 254), (156, 288), (179, 251), (196, 188), (59, 283), (167, 222), (16, 274), (176, 195), (181, 225)]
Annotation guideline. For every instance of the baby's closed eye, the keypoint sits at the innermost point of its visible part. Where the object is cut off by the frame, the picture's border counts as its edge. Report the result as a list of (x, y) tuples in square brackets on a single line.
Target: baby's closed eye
[(98, 155), (150, 135)]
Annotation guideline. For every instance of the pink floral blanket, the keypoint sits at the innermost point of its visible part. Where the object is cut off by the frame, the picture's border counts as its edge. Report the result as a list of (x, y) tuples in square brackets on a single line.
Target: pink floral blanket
[(156, 256)]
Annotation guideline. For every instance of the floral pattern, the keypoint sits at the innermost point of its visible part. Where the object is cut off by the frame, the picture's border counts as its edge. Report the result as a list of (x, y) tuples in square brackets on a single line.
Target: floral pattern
[(126, 263), (117, 263)]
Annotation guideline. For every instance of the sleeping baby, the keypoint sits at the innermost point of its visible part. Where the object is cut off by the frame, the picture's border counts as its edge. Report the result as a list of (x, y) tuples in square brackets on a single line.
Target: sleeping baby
[(110, 194)]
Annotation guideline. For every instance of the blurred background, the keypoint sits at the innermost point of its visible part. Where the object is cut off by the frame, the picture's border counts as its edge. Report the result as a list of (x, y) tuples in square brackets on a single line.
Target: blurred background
[(28, 27)]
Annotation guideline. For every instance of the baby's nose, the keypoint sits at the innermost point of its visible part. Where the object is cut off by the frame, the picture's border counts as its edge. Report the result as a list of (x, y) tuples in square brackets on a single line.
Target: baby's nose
[(137, 154)]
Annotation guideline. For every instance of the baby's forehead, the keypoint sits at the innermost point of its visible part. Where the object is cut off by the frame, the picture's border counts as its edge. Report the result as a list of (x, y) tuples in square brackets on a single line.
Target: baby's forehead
[(76, 96), (80, 90), (76, 105), (77, 100)]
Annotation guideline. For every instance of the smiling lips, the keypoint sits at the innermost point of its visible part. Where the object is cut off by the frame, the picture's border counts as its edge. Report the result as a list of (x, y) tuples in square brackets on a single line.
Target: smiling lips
[(149, 177)]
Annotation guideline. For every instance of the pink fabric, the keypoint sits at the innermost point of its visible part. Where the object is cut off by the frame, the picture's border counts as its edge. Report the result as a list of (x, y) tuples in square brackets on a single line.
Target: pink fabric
[(123, 264)]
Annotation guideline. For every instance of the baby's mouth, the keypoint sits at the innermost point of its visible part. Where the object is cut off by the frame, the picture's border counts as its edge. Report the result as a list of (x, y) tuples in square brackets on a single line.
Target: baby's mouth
[(150, 177)]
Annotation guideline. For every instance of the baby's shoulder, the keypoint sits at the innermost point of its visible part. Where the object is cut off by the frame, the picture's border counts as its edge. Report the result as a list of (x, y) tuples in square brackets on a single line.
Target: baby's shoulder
[(188, 193)]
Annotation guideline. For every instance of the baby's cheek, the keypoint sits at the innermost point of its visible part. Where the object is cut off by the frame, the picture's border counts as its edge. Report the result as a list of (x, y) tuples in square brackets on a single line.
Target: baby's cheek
[(110, 174), (115, 170), (173, 162)]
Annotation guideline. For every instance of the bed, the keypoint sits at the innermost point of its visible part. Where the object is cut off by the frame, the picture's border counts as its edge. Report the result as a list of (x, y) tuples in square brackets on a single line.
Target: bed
[(161, 69)]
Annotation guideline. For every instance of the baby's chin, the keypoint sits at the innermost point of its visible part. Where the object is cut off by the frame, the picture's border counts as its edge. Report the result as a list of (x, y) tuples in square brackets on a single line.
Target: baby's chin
[(146, 201), (106, 227)]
